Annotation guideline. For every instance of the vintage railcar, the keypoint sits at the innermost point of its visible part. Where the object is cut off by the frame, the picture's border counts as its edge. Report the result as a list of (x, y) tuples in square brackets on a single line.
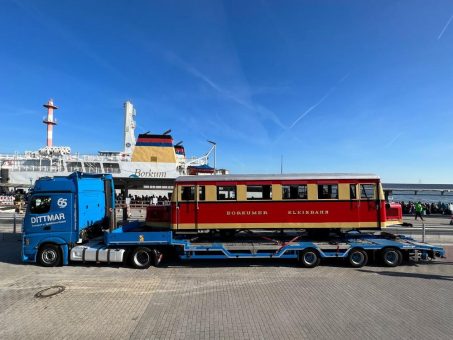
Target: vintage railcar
[(283, 201)]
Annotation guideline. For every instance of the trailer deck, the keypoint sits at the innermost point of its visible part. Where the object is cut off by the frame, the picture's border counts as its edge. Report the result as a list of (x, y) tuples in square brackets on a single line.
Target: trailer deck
[(266, 244)]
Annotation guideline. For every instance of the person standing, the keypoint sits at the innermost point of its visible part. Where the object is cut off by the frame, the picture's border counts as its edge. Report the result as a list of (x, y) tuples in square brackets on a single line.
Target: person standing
[(418, 211)]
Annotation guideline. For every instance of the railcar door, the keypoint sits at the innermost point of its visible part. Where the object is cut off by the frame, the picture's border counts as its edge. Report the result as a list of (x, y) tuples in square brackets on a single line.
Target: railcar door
[(188, 208), (368, 206)]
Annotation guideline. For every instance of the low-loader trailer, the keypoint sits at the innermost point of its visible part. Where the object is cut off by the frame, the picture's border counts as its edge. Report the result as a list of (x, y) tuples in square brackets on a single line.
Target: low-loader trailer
[(72, 219)]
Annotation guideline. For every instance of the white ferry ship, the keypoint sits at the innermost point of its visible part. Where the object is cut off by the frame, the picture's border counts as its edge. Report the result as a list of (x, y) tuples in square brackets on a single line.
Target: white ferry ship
[(150, 156)]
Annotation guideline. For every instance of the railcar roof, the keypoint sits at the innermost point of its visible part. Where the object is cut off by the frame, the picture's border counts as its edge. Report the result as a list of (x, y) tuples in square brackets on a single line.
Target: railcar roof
[(271, 177)]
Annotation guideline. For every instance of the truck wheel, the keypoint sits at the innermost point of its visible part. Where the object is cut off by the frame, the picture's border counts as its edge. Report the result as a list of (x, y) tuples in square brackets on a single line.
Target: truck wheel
[(358, 258), (391, 257), (49, 255), (309, 258), (141, 258)]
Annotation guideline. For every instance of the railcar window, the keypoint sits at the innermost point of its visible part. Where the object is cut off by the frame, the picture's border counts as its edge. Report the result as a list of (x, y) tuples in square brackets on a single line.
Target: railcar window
[(201, 192), (259, 192), (353, 191), (188, 193), (367, 191), (226, 193), (327, 191), (40, 204), (294, 192)]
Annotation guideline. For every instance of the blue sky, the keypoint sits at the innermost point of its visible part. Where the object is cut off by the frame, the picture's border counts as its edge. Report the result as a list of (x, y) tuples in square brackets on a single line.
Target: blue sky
[(332, 86)]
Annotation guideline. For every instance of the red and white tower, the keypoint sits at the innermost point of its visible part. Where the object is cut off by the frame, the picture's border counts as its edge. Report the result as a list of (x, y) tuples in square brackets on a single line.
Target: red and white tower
[(50, 121)]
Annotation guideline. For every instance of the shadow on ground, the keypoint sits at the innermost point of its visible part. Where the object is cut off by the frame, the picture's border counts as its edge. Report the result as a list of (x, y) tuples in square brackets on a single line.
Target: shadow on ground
[(410, 275)]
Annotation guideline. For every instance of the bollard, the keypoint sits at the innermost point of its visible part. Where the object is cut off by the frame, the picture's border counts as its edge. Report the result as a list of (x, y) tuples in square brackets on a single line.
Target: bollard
[(423, 232), (14, 222)]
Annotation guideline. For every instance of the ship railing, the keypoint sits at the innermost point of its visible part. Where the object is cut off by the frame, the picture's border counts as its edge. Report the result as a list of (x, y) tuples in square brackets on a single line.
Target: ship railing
[(93, 170), (102, 158), (112, 170), (196, 161), (8, 156), (140, 205), (36, 168)]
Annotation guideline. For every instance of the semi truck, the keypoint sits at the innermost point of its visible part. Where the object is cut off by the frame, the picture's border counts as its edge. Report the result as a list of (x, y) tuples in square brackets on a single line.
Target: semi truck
[(72, 219)]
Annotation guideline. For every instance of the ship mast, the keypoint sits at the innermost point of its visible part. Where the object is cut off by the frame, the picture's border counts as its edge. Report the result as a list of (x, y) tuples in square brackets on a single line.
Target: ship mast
[(129, 127), (50, 121)]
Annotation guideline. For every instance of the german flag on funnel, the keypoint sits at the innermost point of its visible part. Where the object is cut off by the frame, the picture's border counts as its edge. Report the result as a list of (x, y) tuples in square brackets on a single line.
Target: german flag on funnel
[(154, 140), (154, 148)]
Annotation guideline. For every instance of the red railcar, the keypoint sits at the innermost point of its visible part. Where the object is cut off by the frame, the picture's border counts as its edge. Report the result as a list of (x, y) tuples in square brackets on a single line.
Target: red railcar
[(288, 201)]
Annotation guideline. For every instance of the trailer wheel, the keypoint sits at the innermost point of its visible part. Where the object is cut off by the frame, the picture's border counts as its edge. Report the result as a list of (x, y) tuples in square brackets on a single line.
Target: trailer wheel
[(141, 258), (309, 258), (358, 258), (391, 257), (49, 255)]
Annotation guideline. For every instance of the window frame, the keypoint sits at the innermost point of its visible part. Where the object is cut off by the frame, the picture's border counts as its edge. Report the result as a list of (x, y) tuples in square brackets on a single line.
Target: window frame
[(361, 185), (192, 193), (353, 185), (247, 186), (33, 199), (298, 188), (329, 185), (235, 190), (201, 192)]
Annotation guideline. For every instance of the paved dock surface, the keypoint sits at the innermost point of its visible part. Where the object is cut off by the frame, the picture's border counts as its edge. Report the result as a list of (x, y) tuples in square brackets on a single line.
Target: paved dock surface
[(225, 299)]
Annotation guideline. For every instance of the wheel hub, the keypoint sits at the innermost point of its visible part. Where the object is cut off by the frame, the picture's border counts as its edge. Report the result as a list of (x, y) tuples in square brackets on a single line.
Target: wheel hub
[(357, 258), (309, 258), (49, 256)]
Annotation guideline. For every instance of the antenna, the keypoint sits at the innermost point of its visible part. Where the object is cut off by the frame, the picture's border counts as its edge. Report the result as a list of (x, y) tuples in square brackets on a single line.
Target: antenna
[(281, 164)]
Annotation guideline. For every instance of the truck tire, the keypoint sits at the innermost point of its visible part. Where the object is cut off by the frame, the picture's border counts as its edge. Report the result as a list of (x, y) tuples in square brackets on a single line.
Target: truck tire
[(309, 258), (357, 258), (391, 257), (141, 258), (49, 255)]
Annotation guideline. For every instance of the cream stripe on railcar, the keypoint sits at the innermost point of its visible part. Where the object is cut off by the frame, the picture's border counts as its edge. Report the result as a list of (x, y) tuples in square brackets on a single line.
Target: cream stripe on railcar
[(292, 225)]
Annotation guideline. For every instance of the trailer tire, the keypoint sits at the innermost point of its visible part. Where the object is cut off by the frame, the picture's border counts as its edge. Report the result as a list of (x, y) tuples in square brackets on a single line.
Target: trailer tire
[(357, 258), (391, 257), (309, 258), (49, 255), (141, 258)]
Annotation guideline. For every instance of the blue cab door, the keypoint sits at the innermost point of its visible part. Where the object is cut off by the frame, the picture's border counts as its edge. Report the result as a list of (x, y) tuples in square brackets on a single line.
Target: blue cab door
[(50, 215)]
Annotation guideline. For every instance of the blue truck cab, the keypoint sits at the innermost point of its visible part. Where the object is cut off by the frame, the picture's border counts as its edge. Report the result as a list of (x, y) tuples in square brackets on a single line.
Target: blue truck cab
[(65, 211)]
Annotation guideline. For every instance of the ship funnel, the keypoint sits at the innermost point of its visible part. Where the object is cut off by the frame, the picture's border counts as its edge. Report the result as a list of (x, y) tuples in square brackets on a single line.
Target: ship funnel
[(129, 127)]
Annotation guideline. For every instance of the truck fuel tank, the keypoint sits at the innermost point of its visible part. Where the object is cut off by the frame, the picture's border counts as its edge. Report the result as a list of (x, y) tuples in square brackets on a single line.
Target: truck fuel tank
[(96, 253)]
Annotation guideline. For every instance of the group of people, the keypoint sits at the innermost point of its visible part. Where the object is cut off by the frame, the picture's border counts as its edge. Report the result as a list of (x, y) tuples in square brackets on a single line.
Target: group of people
[(143, 199), (420, 209)]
